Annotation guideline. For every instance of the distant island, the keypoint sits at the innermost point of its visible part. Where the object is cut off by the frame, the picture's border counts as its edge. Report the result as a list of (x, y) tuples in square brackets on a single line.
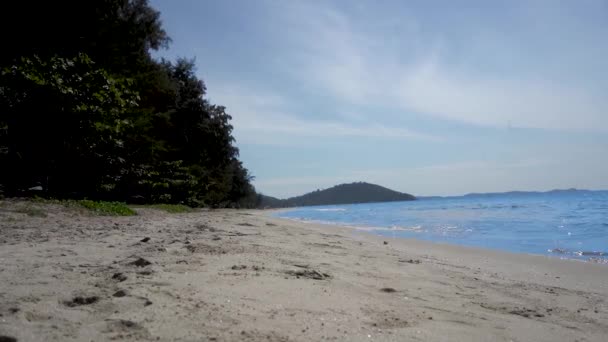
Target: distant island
[(570, 191), (359, 192)]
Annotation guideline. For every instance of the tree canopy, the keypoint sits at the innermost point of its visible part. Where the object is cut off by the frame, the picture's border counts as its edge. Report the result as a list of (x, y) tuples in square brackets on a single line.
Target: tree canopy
[(86, 111)]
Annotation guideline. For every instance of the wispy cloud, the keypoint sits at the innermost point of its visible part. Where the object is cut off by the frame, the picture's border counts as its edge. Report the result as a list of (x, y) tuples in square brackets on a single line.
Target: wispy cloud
[(433, 89), (370, 91), (398, 66), (380, 64), (262, 118)]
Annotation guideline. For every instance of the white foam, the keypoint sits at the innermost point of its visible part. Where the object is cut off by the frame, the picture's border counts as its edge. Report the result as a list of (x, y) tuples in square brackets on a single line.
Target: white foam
[(392, 229)]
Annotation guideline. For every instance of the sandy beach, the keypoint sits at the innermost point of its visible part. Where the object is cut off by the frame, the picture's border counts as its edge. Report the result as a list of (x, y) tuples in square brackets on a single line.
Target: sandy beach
[(237, 275)]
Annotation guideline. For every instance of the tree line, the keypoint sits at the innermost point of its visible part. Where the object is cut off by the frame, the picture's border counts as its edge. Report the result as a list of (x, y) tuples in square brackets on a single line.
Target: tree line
[(87, 112)]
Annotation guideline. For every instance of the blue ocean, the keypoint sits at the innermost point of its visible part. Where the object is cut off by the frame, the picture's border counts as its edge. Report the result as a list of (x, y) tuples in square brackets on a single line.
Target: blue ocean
[(565, 224)]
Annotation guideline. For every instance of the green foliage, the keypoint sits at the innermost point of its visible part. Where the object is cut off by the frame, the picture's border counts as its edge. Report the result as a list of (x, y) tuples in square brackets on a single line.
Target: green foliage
[(88, 113), (65, 122), (171, 208), (102, 208), (107, 208)]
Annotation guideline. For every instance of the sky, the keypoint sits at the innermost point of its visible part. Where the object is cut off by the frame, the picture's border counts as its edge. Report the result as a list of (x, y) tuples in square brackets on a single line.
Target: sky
[(424, 97)]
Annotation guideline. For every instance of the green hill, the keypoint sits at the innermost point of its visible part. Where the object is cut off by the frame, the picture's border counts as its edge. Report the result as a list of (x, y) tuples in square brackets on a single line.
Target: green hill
[(340, 194)]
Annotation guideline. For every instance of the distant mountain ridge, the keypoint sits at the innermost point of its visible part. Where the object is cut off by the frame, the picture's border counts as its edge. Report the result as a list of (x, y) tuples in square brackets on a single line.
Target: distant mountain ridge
[(516, 193), (351, 193)]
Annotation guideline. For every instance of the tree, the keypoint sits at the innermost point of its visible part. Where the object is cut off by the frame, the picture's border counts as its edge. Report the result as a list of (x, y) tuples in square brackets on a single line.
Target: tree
[(117, 34), (64, 124), (85, 111)]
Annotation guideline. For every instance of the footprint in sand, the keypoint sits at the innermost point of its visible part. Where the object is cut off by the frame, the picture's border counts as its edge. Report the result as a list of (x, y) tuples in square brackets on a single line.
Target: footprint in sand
[(79, 301)]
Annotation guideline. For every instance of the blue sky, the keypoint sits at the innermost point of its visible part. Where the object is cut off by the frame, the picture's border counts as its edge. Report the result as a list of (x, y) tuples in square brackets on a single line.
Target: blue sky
[(425, 97)]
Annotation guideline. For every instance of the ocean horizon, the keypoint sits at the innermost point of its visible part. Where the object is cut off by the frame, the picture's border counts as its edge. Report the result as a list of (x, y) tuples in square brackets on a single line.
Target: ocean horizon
[(563, 224)]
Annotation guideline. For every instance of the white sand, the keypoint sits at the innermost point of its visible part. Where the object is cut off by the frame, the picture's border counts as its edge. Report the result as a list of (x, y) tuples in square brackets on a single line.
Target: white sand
[(243, 276)]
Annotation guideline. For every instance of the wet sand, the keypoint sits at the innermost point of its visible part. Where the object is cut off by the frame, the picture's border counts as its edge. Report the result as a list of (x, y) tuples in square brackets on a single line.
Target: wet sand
[(231, 275)]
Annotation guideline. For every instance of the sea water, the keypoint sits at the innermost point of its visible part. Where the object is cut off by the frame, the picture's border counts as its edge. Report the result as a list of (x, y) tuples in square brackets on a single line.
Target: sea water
[(564, 224)]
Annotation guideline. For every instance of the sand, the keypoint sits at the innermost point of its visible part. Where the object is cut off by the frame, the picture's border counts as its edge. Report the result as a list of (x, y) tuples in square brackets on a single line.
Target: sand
[(231, 275)]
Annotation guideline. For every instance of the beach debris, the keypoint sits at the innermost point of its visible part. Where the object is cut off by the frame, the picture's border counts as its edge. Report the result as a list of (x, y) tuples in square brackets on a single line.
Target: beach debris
[(514, 310), (558, 251), (207, 228), (140, 262), (388, 290), (78, 301), (410, 261), (123, 323), (270, 224), (245, 224), (526, 313), (386, 242), (145, 272), (239, 267), (146, 239), (308, 273), (4, 338), (119, 276), (120, 293), (235, 233), (324, 245), (128, 324), (14, 310)]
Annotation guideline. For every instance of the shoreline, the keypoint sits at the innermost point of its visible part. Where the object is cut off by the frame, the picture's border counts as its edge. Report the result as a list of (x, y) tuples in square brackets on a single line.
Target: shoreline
[(241, 275), (601, 260), (466, 254)]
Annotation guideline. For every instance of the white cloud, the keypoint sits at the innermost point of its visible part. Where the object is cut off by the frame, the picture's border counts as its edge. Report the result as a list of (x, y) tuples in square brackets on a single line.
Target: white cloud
[(374, 65), (435, 90), (337, 54), (260, 118)]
